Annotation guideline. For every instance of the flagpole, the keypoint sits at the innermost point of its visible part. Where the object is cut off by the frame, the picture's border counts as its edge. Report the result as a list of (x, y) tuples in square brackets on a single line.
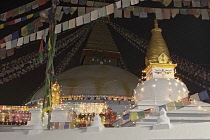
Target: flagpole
[(49, 73)]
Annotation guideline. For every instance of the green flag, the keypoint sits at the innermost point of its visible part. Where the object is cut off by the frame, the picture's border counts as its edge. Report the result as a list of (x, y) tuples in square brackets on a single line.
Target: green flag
[(47, 103)]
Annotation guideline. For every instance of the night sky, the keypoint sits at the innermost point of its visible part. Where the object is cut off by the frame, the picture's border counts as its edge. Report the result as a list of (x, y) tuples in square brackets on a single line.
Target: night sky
[(185, 35)]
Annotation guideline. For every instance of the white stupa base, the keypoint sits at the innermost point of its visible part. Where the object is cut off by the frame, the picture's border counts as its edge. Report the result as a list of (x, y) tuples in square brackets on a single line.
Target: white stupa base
[(34, 132), (162, 126), (94, 129)]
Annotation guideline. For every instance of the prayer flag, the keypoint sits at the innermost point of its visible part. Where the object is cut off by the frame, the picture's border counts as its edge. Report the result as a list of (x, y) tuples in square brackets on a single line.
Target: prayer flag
[(61, 125), (24, 31), (71, 125), (28, 7), (195, 97), (17, 20), (81, 11), (102, 12), (126, 117), (117, 13), (66, 125), (118, 4), (72, 23), (203, 95), (47, 103), (133, 2), (30, 16), (26, 39), (158, 13), (22, 9), (2, 53), (170, 106), (186, 101), (15, 12), (178, 104), (140, 115), (82, 2), (147, 111), (127, 14), (126, 3), (94, 15), (35, 4), (3, 16), (79, 20), (65, 25), (90, 3), (166, 13), (66, 10), (162, 106), (166, 2), (133, 116), (59, 17), (58, 10), (57, 28), (186, 3), (8, 38), (9, 14), (109, 9), (56, 125), (86, 18), (196, 3), (10, 52), (32, 36), (20, 42), (14, 43), (46, 31), (204, 3), (72, 10), (177, 3), (204, 14), (39, 34), (142, 14), (8, 45), (74, 1), (174, 12)]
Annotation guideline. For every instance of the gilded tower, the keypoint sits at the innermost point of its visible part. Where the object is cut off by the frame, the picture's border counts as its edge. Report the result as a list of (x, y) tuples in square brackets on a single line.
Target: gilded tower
[(158, 60)]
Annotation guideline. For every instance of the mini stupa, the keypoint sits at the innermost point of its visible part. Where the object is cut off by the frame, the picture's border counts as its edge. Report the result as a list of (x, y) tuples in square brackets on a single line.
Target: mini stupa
[(160, 84), (162, 90), (163, 121), (96, 125)]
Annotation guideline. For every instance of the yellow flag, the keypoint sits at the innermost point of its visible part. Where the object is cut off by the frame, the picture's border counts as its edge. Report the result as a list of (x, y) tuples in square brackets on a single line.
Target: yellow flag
[(24, 31), (49, 44), (71, 125), (1, 26), (133, 116), (30, 16)]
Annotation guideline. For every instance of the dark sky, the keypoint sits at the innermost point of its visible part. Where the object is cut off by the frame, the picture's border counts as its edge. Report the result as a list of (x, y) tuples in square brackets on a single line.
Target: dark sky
[(185, 35)]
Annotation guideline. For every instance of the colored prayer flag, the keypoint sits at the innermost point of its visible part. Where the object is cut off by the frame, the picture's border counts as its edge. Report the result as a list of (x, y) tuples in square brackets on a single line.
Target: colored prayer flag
[(170, 106), (133, 116), (140, 115), (178, 104)]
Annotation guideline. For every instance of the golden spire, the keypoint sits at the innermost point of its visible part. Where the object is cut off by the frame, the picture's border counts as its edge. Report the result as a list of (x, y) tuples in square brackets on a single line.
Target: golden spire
[(157, 51)]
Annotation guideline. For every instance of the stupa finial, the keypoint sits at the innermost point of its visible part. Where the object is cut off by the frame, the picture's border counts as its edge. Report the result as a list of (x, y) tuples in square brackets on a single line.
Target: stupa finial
[(156, 23), (157, 51)]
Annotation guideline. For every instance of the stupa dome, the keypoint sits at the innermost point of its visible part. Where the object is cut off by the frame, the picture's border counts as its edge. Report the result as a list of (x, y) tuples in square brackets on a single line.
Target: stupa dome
[(95, 80), (160, 89)]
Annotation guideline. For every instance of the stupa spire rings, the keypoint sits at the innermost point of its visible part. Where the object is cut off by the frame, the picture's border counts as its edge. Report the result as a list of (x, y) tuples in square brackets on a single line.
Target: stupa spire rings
[(157, 51)]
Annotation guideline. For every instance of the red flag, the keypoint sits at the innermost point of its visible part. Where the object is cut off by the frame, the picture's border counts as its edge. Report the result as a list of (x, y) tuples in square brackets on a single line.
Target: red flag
[(41, 48)]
